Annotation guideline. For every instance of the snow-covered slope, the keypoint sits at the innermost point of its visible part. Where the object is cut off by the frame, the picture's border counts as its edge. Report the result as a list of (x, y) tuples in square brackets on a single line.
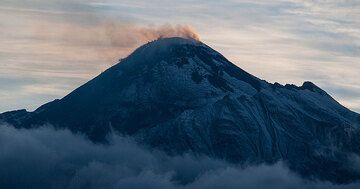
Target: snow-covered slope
[(179, 95)]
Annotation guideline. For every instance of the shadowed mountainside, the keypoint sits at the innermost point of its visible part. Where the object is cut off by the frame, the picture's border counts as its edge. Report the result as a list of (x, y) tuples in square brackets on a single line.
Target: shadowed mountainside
[(179, 95)]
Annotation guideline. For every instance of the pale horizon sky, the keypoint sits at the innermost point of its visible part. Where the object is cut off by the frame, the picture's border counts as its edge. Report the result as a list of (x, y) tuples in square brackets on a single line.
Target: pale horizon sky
[(49, 48)]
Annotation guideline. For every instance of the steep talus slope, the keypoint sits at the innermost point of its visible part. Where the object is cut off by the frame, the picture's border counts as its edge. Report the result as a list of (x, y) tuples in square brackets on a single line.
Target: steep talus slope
[(179, 95)]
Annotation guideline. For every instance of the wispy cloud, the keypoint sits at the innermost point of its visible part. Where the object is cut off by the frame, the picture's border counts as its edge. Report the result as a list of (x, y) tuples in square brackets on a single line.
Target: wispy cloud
[(287, 41)]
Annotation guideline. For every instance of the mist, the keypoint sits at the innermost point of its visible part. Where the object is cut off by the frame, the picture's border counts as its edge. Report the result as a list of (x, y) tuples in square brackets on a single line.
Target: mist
[(49, 158)]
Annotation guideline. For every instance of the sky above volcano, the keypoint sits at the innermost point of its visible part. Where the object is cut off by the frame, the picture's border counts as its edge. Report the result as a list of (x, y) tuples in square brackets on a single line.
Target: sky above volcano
[(48, 48)]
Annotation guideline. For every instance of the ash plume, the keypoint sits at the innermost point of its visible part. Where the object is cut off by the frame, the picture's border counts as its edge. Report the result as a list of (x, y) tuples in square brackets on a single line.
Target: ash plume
[(103, 42), (124, 38), (168, 30), (129, 35)]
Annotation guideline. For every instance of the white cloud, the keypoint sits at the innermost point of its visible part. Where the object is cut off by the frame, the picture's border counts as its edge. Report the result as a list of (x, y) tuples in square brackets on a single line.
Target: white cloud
[(48, 158)]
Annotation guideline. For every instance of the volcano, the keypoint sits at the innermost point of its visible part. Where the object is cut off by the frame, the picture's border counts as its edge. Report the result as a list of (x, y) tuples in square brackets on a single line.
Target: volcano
[(179, 95)]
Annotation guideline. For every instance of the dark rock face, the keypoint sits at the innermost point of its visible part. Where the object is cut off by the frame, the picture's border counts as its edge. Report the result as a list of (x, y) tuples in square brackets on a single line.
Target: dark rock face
[(180, 95)]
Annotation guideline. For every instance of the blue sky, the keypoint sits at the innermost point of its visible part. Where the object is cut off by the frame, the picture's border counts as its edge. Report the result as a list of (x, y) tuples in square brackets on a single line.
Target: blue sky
[(48, 48)]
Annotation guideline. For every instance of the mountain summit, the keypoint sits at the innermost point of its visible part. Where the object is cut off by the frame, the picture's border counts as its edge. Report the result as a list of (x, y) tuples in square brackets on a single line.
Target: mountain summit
[(179, 95)]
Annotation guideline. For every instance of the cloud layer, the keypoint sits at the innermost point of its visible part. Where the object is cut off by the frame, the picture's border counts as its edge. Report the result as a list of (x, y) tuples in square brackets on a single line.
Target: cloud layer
[(48, 158)]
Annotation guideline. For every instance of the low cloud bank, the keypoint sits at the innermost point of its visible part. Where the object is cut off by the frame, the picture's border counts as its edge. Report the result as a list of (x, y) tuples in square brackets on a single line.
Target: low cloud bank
[(49, 158)]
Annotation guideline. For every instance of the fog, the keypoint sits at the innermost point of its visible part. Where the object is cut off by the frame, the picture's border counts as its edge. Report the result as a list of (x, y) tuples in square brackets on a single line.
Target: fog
[(50, 158)]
